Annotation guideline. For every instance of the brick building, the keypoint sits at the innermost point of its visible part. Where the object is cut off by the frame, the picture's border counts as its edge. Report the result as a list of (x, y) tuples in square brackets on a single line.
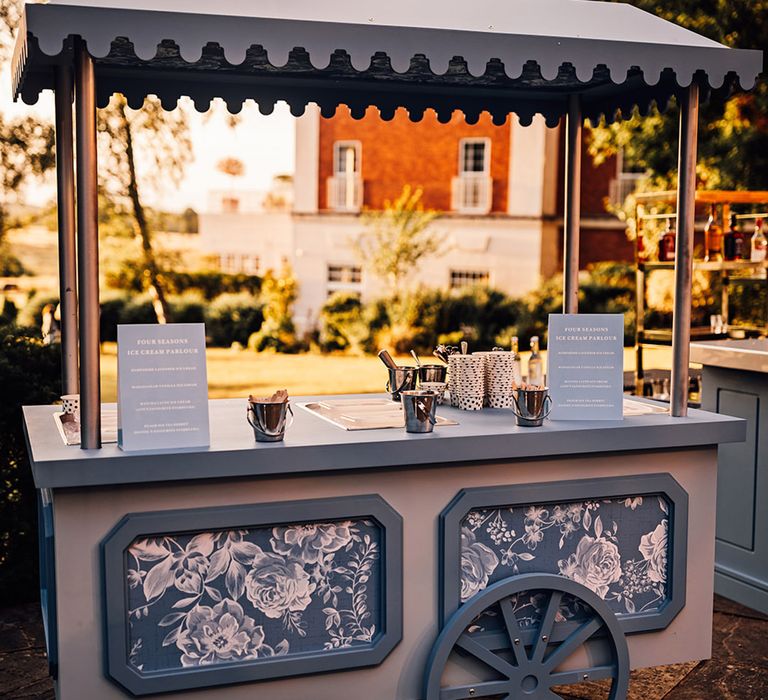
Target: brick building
[(498, 188)]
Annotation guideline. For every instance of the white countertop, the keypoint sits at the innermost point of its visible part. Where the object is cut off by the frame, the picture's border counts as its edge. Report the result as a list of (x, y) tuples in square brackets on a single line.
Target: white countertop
[(314, 445)]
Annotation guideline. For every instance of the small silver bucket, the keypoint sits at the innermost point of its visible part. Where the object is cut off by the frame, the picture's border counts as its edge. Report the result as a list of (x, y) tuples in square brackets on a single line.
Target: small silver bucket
[(269, 419), (433, 373), (531, 406), (401, 379), (419, 408)]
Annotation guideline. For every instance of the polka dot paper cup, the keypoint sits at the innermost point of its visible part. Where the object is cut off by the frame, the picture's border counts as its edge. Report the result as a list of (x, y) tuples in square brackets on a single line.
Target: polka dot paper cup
[(501, 400), (471, 402), (70, 404), (437, 388)]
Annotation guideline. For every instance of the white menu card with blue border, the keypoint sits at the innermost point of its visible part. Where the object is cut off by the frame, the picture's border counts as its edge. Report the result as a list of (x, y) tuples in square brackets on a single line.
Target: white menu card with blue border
[(585, 366), (162, 393)]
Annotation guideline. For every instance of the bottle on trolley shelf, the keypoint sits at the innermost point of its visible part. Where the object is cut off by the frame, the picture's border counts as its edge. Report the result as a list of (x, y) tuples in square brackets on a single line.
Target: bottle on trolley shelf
[(713, 238), (759, 243), (733, 240), (667, 243)]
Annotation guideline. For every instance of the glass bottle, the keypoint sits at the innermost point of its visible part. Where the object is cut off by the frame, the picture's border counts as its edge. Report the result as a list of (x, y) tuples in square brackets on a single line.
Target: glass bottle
[(733, 240), (667, 244), (535, 364), (713, 238), (641, 252), (759, 247), (517, 369)]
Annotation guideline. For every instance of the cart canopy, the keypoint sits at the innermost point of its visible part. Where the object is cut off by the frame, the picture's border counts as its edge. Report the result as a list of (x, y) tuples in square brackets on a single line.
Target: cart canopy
[(523, 56)]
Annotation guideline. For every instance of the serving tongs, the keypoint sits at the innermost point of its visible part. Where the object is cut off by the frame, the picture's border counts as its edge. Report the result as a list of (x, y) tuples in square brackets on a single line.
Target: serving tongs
[(443, 352)]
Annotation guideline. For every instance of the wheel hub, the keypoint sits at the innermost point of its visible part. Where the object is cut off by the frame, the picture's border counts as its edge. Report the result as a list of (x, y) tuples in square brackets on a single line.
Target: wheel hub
[(529, 684)]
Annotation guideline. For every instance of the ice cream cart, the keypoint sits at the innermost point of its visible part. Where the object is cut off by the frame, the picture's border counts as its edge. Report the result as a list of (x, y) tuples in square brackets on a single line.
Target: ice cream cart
[(485, 561)]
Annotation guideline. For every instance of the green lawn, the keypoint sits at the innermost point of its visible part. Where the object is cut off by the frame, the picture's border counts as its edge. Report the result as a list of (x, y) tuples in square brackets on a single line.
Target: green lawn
[(239, 373)]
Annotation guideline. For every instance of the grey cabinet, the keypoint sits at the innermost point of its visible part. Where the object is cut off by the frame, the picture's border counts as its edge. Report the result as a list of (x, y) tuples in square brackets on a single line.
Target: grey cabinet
[(741, 550)]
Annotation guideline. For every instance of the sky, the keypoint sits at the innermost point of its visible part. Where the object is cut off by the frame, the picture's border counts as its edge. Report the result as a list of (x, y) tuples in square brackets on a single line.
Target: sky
[(265, 144)]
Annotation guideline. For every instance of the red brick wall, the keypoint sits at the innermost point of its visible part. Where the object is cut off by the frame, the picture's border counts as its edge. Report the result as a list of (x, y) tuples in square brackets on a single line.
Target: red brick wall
[(422, 154), (595, 244), (425, 154)]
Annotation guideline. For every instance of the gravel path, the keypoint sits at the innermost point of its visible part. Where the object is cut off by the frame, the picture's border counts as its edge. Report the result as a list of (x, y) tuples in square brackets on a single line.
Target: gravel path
[(738, 669)]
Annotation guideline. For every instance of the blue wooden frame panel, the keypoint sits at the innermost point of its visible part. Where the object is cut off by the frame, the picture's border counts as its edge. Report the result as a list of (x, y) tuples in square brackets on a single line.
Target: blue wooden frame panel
[(566, 491), (131, 526), (47, 562)]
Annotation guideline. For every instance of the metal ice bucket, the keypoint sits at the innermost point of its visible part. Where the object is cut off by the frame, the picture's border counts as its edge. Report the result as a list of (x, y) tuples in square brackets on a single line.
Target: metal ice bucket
[(433, 373), (269, 419), (401, 379), (419, 408), (531, 406)]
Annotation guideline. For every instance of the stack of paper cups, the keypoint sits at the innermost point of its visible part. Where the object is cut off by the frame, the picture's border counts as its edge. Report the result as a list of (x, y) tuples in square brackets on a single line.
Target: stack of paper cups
[(467, 376), (500, 367), (484, 355), (453, 391)]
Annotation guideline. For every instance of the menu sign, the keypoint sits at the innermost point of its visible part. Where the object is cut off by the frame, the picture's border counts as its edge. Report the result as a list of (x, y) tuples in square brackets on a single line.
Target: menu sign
[(585, 362), (162, 393)]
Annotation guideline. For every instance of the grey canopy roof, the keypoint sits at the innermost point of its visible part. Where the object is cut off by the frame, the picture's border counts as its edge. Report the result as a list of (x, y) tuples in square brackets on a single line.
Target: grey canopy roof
[(523, 56)]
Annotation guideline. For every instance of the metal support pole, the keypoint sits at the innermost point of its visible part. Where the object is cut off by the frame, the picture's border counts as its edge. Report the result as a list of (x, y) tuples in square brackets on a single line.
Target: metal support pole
[(88, 250), (572, 215), (686, 211), (65, 185)]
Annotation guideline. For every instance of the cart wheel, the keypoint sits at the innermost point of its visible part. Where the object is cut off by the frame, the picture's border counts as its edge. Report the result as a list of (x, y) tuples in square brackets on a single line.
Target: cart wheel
[(526, 661)]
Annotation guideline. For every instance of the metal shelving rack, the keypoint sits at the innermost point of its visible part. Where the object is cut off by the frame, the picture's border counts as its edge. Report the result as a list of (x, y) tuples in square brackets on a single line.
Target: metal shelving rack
[(742, 271)]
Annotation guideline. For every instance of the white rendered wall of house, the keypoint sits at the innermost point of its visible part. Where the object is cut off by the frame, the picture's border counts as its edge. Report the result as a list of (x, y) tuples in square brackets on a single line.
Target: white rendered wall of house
[(551, 171), (508, 249), (248, 201), (307, 168), (268, 235), (527, 168), (319, 241)]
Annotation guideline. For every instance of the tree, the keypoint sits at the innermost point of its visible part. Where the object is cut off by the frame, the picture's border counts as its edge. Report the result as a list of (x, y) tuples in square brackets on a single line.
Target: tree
[(163, 137), (733, 132), (22, 357), (233, 167), (397, 238), (26, 145), (278, 295), (127, 137)]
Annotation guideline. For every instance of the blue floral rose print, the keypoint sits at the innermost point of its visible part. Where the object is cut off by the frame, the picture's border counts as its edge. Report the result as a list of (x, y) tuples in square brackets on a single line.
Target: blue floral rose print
[(221, 633), (278, 587), (596, 564), (653, 547), (232, 596), (308, 543), (478, 562), (616, 547)]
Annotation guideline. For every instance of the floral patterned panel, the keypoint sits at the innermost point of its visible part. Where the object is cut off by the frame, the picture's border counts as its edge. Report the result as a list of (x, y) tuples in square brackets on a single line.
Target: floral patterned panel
[(617, 548), (240, 595)]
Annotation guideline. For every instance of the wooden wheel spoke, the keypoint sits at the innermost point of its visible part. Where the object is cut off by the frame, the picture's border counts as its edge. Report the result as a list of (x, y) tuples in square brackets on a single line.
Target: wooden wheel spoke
[(488, 664), (596, 673), (546, 626), (573, 642), (513, 631), (476, 690), (485, 655)]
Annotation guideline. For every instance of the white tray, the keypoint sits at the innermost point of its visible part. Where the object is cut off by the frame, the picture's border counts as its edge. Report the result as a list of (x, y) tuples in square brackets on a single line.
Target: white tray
[(363, 414), (70, 430)]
